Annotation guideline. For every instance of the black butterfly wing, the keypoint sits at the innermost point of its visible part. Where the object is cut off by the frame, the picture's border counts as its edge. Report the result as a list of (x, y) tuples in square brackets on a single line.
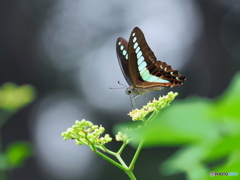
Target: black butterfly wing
[(123, 58), (145, 70), (138, 51)]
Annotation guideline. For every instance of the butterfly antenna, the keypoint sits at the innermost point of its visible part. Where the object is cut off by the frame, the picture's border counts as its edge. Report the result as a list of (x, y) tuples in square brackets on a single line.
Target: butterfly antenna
[(124, 86), (116, 88)]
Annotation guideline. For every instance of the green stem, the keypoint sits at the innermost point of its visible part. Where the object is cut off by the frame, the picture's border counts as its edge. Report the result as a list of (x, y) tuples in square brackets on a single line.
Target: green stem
[(136, 155), (110, 152), (131, 175), (118, 155), (152, 116), (119, 158), (122, 165), (122, 148), (111, 161)]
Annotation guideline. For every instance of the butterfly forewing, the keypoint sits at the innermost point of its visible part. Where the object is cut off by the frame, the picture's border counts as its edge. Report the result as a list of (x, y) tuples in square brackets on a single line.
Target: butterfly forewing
[(143, 60), (123, 56), (145, 70)]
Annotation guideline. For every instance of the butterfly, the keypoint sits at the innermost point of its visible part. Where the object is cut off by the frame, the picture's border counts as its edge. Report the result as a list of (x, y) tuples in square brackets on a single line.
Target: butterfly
[(140, 67)]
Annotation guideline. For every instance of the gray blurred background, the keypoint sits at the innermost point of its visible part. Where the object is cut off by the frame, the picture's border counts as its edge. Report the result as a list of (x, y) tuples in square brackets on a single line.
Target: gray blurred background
[(66, 50)]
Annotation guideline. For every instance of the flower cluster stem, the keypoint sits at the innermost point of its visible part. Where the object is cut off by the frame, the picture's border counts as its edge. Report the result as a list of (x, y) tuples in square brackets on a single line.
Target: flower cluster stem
[(122, 165), (110, 160), (136, 155), (131, 175)]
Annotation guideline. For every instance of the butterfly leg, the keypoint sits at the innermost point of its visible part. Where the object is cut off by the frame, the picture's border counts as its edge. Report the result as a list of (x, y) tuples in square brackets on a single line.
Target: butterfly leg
[(145, 97), (134, 106)]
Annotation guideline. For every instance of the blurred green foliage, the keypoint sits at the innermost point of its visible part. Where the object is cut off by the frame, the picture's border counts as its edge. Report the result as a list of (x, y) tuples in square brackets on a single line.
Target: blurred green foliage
[(15, 155), (17, 152), (12, 99), (207, 132)]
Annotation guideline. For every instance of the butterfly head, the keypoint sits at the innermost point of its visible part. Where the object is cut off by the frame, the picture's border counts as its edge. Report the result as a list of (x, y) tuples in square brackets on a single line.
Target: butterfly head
[(130, 90), (134, 91)]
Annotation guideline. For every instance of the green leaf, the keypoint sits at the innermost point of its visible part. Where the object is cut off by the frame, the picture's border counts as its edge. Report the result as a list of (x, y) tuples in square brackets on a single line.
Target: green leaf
[(227, 105), (207, 130)]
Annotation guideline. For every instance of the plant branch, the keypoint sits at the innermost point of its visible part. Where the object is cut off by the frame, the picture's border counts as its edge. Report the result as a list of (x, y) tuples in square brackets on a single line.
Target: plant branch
[(136, 155)]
